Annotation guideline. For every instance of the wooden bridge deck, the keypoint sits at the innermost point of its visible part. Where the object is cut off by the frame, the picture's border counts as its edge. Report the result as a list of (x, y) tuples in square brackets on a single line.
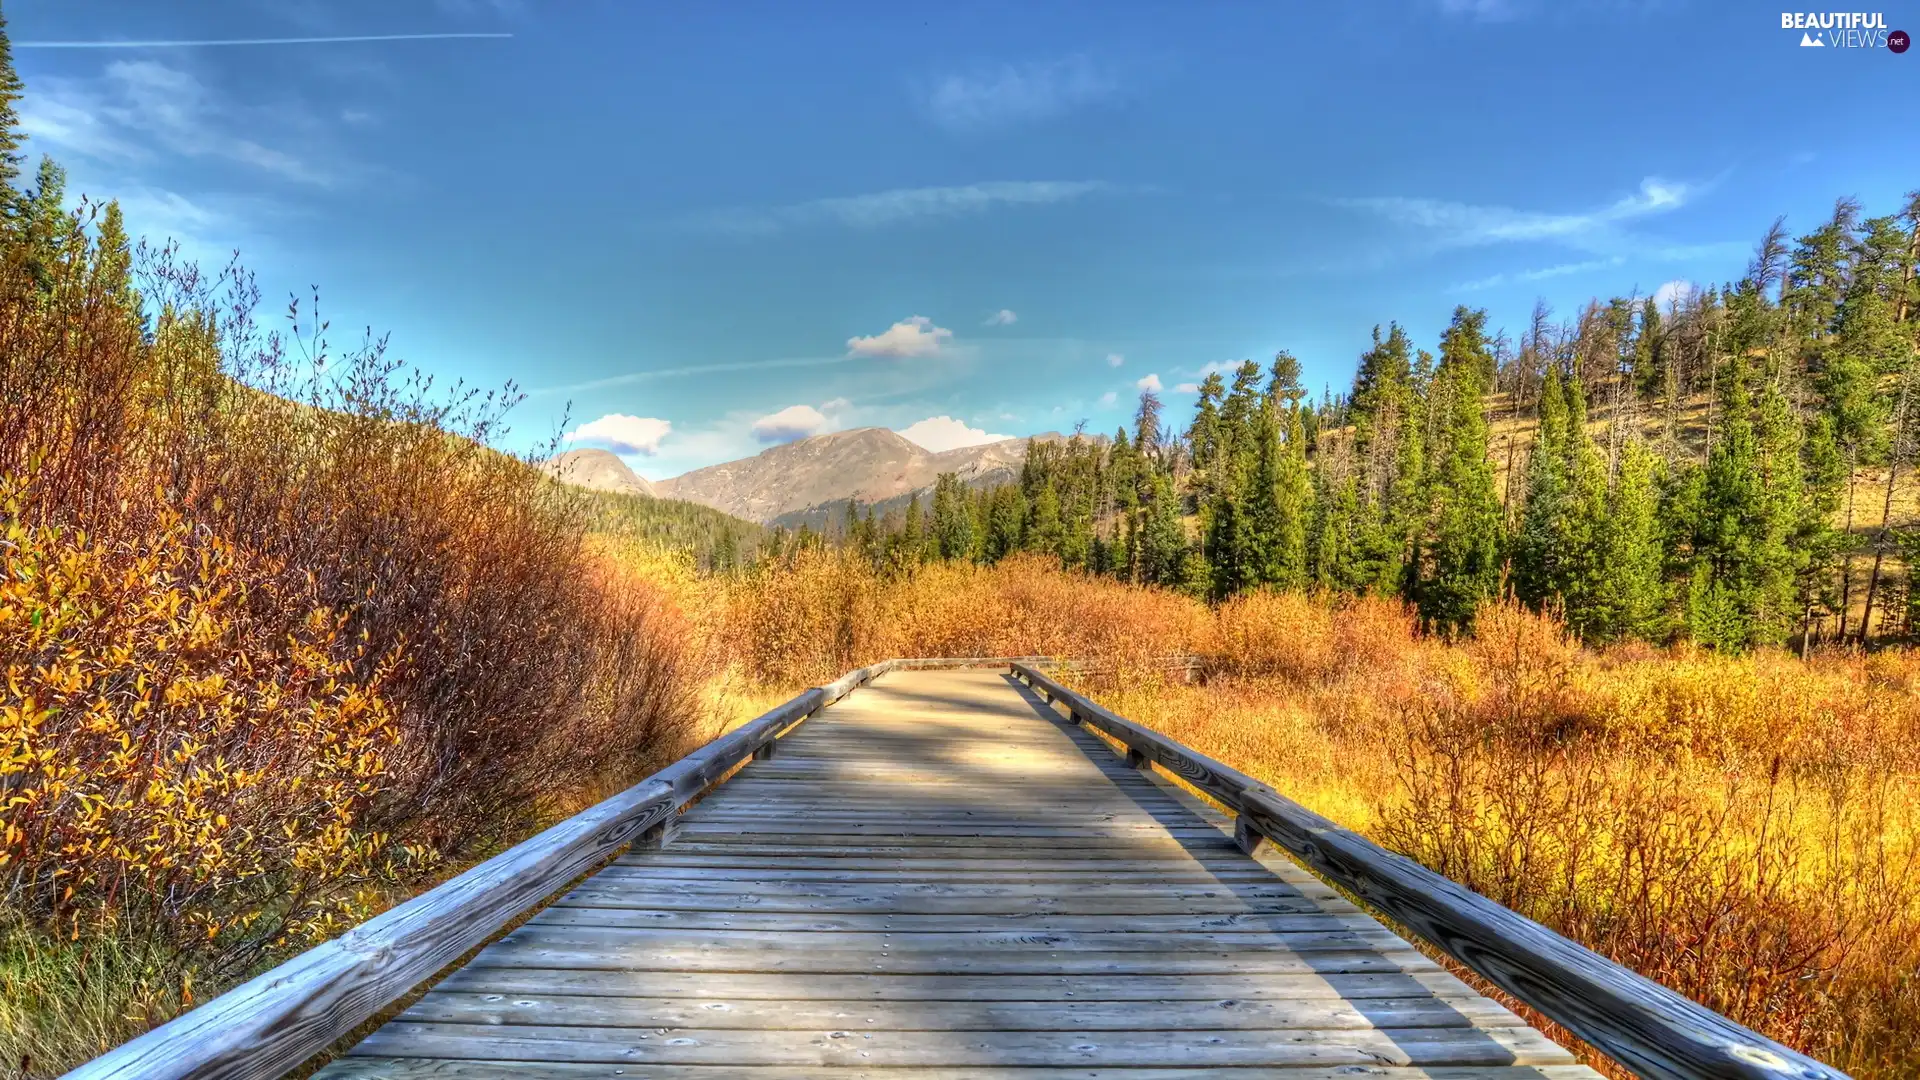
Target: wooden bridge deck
[(939, 878)]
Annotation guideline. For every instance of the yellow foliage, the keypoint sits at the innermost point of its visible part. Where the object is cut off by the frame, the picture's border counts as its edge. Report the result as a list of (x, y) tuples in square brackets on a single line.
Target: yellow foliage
[(172, 735)]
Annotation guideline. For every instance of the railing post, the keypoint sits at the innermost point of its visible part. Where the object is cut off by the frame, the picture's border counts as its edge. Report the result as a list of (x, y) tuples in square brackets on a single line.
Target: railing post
[(658, 836), (1245, 836)]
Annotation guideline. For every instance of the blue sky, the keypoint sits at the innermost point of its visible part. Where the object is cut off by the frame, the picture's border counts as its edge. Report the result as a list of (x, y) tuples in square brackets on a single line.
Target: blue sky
[(710, 227)]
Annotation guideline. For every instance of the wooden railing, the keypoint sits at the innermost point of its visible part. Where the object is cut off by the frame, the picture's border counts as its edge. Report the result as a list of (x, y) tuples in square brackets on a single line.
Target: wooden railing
[(1640, 1024), (278, 1020)]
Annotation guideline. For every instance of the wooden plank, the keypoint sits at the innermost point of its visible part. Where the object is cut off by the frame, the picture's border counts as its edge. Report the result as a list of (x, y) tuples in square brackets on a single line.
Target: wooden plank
[(934, 862), (1106, 811), (828, 843), (569, 914), (693, 1046), (800, 826), (866, 986), (1034, 874), (565, 932), (920, 902), (396, 1068), (748, 1014), (600, 955)]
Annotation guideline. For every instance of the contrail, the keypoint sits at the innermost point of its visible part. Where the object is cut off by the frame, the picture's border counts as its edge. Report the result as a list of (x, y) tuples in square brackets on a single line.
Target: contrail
[(211, 42)]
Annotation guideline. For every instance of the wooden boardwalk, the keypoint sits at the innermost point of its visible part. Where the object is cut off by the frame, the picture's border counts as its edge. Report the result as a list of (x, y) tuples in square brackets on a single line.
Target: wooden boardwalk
[(938, 878)]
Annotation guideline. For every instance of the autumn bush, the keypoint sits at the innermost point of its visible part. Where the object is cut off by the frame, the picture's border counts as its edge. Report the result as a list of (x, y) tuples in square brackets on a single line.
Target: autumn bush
[(282, 640), (1741, 828), (816, 613)]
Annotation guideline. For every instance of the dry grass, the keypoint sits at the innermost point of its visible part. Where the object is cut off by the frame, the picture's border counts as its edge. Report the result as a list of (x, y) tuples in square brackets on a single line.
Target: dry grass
[(810, 618), (1741, 829), (282, 640)]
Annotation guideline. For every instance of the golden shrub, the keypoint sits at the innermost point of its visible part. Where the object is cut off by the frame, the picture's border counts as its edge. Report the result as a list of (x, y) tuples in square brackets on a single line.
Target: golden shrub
[(179, 739)]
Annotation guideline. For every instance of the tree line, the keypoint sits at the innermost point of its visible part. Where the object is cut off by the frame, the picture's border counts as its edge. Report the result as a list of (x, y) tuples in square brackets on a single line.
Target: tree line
[(1726, 467)]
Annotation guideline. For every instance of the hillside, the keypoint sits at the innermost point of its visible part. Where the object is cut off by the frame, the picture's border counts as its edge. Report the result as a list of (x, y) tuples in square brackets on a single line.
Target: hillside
[(716, 539), (803, 480), (597, 470)]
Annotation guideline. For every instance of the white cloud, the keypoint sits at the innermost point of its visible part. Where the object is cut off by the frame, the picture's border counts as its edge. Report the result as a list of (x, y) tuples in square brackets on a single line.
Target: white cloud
[(899, 206), (1109, 398), (1542, 274), (1482, 10), (938, 433), (1003, 317), (1187, 388), (1148, 382), (1673, 292), (232, 42), (1453, 224), (698, 371), (836, 405), (144, 111), (623, 434), (1115, 359), (914, 336), (1009, 94), (790, 423)]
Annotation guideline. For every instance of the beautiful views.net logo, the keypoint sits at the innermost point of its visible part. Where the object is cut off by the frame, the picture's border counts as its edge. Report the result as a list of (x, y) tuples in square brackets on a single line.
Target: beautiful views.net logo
[(1845, 30)]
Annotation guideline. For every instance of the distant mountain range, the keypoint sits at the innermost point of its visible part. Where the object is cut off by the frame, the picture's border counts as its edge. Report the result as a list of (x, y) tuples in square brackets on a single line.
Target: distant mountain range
[(809, 481)]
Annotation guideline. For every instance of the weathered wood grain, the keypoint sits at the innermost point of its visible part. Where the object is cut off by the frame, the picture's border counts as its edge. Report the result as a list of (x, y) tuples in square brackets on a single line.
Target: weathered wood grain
[(868, 986), (722, 1047), (749, 1014)]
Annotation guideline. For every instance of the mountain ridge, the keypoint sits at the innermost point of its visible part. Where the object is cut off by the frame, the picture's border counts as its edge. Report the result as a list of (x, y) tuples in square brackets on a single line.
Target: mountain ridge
[(869, 465)]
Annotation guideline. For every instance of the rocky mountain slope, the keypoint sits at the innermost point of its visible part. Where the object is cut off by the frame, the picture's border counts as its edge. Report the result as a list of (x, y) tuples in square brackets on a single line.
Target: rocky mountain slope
[(801, 480)]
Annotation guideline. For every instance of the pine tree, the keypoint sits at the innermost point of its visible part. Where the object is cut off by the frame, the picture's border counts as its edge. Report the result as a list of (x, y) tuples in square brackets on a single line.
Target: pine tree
[(1162, 541), (1748, 514), (1541, 550), (1630, 598), (953, 533), (10, 134), (44, 226), (1466, 520), (1293, 502), (1283, 384), (1203, 435), (1649, 355), (912, 543), (1260, 522), (1146, 428), (1006, 515), (1816, 280), (1045, 533)]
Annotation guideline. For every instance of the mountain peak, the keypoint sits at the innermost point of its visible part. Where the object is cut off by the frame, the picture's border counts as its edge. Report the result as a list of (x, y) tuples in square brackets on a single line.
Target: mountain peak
[(598, 470)]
